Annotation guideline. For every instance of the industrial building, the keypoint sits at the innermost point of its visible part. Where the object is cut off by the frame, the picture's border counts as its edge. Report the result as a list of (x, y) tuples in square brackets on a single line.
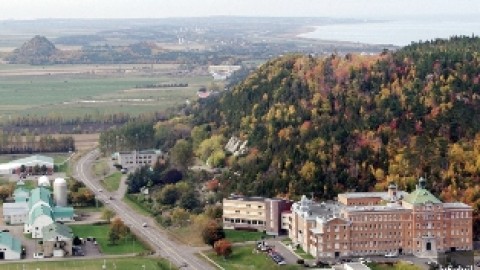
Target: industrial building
[(379, 223), (29, 164), (254, 213)]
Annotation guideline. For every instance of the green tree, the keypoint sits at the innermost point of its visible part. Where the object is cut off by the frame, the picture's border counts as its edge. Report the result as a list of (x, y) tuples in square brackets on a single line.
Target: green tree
[(198, 134), (180, 217), (113, 237), (118, 230), (189, 200), (182, 154), (107, 214), (209, 146), (169, 195)]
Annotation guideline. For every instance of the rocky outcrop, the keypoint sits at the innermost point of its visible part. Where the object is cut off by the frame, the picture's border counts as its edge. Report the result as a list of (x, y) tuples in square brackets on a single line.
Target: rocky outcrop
[(236, 146)]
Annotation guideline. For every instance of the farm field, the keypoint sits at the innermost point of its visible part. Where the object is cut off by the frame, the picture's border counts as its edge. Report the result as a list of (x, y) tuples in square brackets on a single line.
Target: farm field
[(128, 263), (72, 91)]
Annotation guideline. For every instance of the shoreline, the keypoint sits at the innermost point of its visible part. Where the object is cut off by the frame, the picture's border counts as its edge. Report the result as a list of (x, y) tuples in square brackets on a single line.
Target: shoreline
[(297, 34)]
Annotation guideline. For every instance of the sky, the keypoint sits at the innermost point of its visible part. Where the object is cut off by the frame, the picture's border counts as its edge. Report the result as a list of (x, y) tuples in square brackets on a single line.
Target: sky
[(35, 9)]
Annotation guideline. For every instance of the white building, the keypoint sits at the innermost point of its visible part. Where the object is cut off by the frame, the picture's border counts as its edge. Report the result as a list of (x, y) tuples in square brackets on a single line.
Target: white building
[(137, 158), (10, 247), (14, 166), (15, 213)]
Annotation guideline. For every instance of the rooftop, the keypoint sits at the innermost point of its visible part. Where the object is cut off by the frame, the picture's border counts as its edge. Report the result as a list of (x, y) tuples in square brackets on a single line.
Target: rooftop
[(7, 240), (33, 159), (456, 205), (421, 196), (16, 208), (40, 194), (383, 195), (243, 198), (56, 229)]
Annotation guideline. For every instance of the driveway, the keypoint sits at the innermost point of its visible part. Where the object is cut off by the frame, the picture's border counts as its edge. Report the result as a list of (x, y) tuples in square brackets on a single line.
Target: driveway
[(289, 256)]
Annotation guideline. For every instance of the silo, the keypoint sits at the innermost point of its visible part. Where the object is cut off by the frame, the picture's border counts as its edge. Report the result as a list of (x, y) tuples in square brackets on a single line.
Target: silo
[(43, 181), (60, 192)]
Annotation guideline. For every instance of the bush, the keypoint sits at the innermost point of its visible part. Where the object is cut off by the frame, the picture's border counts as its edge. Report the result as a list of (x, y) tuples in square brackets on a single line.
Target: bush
[(300, 261)]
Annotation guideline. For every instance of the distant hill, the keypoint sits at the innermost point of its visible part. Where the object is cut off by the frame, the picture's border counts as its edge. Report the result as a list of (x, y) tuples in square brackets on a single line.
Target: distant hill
[(37, 51), (327, 125)]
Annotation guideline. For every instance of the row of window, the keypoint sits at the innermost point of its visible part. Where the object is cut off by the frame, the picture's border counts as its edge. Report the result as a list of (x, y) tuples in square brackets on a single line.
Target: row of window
[(248, 213), (392, 217), (244, 221)]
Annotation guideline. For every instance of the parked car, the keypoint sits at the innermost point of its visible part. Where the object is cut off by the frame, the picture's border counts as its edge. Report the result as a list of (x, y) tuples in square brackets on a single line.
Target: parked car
[(38, 255), (391, 255)]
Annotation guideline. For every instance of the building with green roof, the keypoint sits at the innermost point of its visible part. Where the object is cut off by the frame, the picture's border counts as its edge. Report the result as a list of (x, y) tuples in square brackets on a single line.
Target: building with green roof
[(42, 212), (57, 240), (376, 223), (39, 217), (10, 247)]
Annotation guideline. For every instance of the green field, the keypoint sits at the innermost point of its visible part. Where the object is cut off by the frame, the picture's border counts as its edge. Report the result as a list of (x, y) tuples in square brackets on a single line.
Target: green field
[(100, 232), (116, 263), (235, 236), (243, 258), (76, 90), (112, 182), (130, 200)]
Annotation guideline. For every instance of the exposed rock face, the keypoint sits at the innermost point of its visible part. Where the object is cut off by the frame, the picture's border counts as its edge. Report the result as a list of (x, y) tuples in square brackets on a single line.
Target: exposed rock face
[(37, 51), (236, 146)]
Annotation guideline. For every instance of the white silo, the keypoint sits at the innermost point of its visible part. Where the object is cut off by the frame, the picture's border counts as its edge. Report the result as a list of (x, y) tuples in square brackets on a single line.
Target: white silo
[(43, 181), (60, 191)]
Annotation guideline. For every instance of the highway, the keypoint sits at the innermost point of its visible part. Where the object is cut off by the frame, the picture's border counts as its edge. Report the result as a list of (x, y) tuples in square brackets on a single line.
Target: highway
[(180, 255)]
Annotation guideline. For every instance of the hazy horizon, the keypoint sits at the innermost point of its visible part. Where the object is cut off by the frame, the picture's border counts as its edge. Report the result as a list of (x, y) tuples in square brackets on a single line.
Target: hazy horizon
[(151, 9)]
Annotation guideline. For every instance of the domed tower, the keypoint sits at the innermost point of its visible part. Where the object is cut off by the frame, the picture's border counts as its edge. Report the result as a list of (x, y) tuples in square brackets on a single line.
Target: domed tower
[(43, 181), (60, 192), (422, 183)]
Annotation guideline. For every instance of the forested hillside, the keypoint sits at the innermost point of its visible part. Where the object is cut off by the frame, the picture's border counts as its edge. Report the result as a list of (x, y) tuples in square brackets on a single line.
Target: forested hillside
[(328, 125)]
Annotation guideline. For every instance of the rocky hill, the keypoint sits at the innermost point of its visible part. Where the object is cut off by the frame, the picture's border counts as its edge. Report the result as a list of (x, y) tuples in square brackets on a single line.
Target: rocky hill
[(37, 51)]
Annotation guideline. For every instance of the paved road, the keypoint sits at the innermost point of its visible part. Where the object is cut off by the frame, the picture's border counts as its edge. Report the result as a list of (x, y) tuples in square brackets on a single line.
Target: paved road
[(181, 255)]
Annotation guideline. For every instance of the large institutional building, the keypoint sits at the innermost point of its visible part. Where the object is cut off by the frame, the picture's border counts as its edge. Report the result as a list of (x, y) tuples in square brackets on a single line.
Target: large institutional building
[(256, 213), (377, 223)]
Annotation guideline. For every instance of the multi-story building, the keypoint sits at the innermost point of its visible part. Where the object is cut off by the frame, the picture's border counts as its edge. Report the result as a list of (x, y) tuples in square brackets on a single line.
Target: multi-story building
[(137, 158), (261, 214), (376, 223)]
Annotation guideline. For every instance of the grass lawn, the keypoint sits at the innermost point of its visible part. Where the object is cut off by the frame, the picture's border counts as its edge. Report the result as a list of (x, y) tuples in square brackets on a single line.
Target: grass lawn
[(100, 167), (236, 236), (130, 200), (100, 232), (397, 266), (243, 258), (300, 252), (112, 182), (117, 263)]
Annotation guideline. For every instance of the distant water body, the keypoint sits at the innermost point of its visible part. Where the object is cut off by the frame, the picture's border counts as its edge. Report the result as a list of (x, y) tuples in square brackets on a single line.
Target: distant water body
[(398, 32)]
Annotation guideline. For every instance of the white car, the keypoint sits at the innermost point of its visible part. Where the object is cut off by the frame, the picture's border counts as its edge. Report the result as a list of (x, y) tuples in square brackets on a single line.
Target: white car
[(38, 255), (391, 255), (144, 225)]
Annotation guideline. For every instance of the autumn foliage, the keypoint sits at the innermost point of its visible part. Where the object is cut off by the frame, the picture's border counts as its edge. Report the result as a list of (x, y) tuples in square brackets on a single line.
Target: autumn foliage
[(223, 247)]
